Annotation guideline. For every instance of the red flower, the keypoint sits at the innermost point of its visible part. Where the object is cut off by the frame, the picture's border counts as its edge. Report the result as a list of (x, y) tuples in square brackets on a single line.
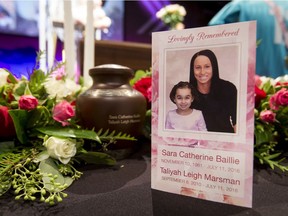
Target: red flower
[(73, 103), (281, 84), (6, 127), (62, 112), (28, 102), (143, 85), (259, 95)]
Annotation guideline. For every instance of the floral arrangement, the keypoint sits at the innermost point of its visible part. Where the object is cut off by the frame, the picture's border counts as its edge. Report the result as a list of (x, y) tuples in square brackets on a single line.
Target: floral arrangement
[(142, 82), (42, 144), (271, 122), (172, 15)]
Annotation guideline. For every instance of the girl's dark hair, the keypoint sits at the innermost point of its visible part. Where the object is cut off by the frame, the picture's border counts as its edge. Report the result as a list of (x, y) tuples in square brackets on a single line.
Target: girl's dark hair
[(181, 85), (214, 64)]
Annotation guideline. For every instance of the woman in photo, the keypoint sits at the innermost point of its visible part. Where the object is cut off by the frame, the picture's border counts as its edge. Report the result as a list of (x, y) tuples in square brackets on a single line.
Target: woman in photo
[(217, 98), (184, 117)]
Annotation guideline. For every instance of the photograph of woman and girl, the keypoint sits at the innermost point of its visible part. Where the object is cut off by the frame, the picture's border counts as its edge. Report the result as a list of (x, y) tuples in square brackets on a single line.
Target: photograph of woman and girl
[(214, 97)]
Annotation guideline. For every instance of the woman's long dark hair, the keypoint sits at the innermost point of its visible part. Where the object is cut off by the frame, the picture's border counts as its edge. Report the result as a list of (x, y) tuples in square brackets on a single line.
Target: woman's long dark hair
[(215, 69)]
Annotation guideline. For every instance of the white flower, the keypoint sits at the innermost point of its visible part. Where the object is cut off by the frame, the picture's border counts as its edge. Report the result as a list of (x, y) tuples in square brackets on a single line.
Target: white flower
[(3, 77), (282, 78), (60, 88), (161, 13), (55, 88), (265, 79), (61, 148), (172, 15), (71, 86), (182, 11), (171, 9)]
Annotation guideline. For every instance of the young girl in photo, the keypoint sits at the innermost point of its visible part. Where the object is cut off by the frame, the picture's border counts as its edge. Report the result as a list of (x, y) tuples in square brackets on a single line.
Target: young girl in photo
[(184, 117)]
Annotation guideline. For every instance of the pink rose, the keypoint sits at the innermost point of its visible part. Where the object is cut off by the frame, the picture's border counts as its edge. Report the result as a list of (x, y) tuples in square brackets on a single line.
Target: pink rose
[(280, 98), (28, 102), (62, 112), (59, 73), (267, 116), (6, 127), (272, 103)]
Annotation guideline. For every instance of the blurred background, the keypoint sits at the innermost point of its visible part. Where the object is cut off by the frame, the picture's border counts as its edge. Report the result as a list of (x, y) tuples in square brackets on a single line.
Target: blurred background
[(131, 21)]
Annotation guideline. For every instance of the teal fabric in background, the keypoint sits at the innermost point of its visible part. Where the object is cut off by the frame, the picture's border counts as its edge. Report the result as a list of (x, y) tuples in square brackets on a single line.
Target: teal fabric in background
[(271, 51)]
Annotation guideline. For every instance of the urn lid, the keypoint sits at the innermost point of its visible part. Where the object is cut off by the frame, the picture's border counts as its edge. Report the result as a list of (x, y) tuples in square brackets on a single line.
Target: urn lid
[(111, 69)]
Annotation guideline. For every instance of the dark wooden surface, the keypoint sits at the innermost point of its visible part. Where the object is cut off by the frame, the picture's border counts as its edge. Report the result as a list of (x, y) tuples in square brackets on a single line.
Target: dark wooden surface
[(125, 190), (130, 54)]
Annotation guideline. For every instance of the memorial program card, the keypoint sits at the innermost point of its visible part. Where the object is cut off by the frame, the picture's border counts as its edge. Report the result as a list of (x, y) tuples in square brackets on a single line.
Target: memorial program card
[(203, 112)]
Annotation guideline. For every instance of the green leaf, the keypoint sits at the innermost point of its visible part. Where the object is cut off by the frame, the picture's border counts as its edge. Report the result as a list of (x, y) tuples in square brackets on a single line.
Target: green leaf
[(19, 118), (38, 117), (112, 135), (138, 75), (37, 78), (268, 87), (36, 83), (6, 146), (11, 78), (148, 113), (20, 89), (70, 132), (263, 133), (277, 164), (273, 156), (68, 181), (47, 167), (27, 90), (42, 156), (98, 158)]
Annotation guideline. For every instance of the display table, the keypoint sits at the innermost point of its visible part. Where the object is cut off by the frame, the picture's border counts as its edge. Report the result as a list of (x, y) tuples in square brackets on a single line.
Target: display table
[(125, 189)]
